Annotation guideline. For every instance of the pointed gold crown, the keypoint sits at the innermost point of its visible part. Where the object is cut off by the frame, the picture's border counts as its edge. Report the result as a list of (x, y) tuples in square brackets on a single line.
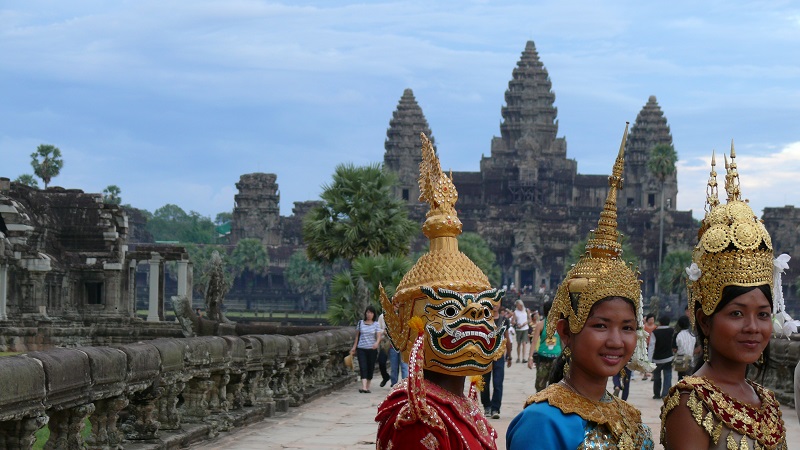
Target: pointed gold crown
[(734, 247), (600, 272), (444, 266)]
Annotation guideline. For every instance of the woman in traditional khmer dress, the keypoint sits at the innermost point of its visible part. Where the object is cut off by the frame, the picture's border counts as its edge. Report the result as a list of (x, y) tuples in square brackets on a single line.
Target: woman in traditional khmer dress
[(733, 282), (597, 312), (440, 320)]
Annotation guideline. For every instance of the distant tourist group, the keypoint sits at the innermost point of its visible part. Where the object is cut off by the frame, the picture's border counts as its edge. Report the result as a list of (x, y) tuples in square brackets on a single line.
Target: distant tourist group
[(446, 322)]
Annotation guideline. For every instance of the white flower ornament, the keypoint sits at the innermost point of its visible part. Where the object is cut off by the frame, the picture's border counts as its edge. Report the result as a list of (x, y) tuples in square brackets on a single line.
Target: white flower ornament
[(782, 323), (694, 272)]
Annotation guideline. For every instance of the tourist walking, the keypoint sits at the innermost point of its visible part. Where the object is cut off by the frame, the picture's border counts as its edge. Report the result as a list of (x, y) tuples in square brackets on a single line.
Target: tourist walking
[(383, 352), (368, 337), (520, 321), (734, 286), (492, 393), (661, 350), (649, 326), (683, 347), (596, 312), (549, 349)]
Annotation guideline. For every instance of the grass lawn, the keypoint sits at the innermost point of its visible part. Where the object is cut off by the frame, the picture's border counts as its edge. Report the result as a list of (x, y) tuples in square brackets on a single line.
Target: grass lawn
[(9, 353)]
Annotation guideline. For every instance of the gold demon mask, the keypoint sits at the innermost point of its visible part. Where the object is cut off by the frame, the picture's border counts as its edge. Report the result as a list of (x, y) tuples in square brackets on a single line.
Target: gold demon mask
[(733, 249), (445, 289), (601, 272)]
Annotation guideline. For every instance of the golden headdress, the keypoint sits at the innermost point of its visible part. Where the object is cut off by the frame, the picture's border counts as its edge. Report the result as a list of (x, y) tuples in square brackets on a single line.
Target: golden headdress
[(734, 247), (600, 272), (445, 288)]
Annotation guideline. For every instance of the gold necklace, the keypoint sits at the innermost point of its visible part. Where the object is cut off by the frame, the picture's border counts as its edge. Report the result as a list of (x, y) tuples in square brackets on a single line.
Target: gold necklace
[(625, 436)]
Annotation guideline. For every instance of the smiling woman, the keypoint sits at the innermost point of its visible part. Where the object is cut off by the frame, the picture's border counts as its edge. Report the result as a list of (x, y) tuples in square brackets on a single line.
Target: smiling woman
[(596, 313), (731, 291)]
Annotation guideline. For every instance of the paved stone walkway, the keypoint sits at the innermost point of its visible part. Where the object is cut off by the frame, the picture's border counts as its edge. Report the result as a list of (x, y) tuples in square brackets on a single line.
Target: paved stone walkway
[(345, 419)]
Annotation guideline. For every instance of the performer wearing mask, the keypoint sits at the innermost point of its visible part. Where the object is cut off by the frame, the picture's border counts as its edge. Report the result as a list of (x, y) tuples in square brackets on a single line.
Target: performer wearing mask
[(734, 289), (597, 312), (440, 319)]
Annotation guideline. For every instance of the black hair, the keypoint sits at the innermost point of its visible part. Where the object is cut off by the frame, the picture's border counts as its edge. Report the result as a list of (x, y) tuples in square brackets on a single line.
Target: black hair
[(728, 294), (557, 372), (546, 307), (683, 323), (374, 313), (648, 316), (664, 320)]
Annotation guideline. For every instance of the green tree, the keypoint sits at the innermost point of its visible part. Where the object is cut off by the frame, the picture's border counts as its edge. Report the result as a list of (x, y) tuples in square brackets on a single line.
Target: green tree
[(579, 248), (359, 216), (672, 274), (661, 164), (353, 289), (46, 162), (171, 223), (305, 277), (111, 195), (223, 217), (28, 180), (478, 250), (249, 261)]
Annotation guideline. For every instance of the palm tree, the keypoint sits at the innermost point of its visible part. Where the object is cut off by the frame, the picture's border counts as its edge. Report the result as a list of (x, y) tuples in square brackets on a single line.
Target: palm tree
[(28, 180), (250, 259), (661, 164), (359, 216), (672, 274), (46, 162), (304, 277), (352, 290), (478, 250), (111, 194)]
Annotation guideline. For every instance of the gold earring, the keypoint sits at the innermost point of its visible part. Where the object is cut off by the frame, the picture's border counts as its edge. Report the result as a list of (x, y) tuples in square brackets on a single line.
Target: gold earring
[(567, 357), (705, 350), (761, 358), (622, 374)]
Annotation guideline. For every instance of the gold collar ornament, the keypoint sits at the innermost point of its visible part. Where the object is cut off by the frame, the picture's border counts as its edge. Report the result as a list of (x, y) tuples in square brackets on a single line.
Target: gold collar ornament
[(600, 272), (445, 289), (734, 249)]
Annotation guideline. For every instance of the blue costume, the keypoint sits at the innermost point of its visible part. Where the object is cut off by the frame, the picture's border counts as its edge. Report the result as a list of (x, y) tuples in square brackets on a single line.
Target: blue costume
[(558, 418)]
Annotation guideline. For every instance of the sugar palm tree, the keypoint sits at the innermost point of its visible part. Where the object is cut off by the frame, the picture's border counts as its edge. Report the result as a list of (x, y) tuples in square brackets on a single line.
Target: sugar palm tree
[(359, 216), (661, 164), (46, 162), (250, 259)]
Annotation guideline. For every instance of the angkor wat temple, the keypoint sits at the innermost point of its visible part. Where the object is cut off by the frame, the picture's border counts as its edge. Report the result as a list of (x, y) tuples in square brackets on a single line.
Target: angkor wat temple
[(67, 256)]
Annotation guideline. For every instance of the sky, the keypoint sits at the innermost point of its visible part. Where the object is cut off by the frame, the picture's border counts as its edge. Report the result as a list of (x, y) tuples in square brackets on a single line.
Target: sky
[(174, 101)]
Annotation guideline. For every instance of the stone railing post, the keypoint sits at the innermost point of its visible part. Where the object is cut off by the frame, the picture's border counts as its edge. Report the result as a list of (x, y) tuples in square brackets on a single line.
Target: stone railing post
[(105, 434), (66, 426), (21, 433)]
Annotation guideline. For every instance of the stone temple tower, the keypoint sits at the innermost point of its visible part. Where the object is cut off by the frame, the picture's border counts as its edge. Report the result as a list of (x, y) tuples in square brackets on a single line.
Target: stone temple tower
[(403, 146), (528, 162), (641, 189), (256, 213)]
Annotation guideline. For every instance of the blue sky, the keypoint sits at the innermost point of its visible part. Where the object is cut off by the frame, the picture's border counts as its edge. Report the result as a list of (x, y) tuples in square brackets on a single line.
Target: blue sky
[(173, 101)]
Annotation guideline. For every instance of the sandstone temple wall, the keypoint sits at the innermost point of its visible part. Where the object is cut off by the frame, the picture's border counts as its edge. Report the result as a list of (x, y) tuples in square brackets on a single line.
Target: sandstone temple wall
[(164, 393)]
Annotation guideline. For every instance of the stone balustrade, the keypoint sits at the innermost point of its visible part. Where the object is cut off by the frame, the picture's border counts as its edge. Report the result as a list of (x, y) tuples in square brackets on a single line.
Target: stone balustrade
[(164, 393)]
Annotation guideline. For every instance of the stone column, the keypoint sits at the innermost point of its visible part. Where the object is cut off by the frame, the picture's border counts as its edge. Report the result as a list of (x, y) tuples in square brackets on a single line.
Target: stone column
[(3, 291), (183, 266), (155, 274)]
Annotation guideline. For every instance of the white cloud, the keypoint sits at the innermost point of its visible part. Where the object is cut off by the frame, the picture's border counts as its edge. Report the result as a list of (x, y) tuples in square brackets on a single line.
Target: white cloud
[(767, 177)]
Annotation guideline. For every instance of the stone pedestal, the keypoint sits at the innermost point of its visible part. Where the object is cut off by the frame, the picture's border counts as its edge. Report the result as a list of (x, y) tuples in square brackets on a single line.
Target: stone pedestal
[(66, 426)]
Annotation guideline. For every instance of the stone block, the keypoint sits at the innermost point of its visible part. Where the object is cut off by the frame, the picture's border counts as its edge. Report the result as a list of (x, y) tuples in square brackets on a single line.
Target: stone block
[(109, 368), (172, 352), (67, 374), (144, 362), (206, 351), (22, 387), (236, 349)]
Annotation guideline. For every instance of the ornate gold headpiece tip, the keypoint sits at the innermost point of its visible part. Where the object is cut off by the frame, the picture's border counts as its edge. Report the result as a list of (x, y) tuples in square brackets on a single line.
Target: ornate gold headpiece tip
[(733, 151), (713, 158)]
